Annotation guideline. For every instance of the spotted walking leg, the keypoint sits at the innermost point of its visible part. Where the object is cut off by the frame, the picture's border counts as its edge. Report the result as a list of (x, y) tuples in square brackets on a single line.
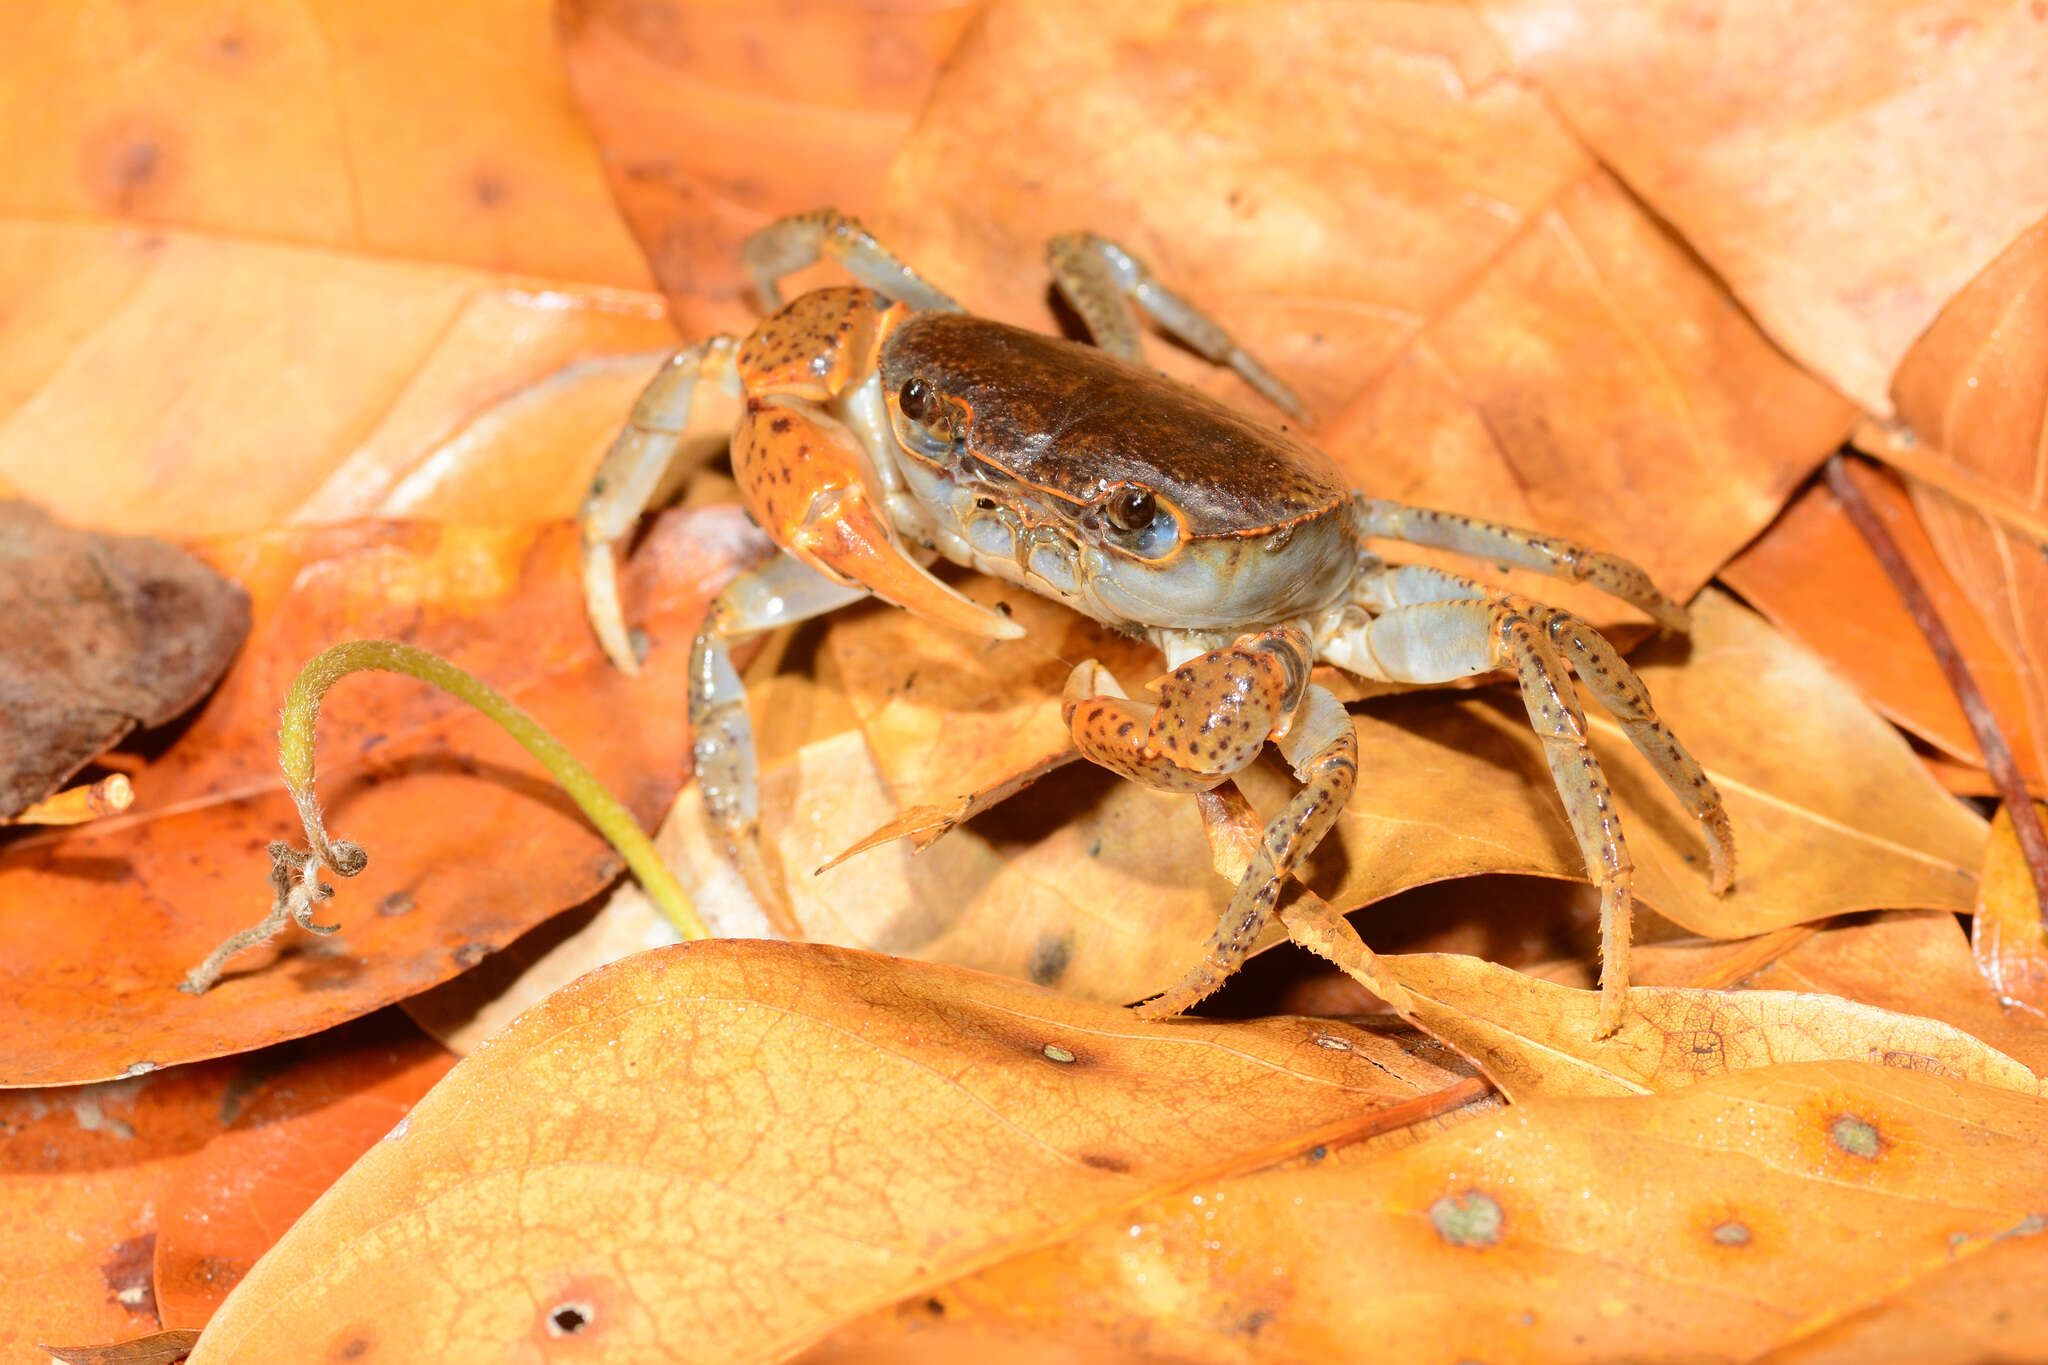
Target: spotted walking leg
[(1214, 715), (1105, 284), (789, 244), (1322, 748), (1444, 640), (1620, 691), (781, 592), (1377, 518)]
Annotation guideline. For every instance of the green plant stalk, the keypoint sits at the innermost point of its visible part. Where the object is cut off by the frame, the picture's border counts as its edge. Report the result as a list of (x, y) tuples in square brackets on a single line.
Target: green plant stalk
[(613, 820)]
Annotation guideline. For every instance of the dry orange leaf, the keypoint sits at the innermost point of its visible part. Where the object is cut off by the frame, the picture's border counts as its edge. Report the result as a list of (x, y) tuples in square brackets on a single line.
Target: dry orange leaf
[(1086, 882), (1974, 391), (716, 118), (1103, 888), (1374, 203), (1984, 1305), (174, 371), (1847, 167), (348, 125), (82, 1171), (1819, 582), (1703, 1224), (1907, 961), (953, 719), (321, 263), (1536, 1037), (708, 1144), (2006, 937), (1831, 810), (107, 918), (290, 1139)]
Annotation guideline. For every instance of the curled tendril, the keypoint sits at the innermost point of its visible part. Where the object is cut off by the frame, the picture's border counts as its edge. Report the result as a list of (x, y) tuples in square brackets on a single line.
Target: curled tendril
[(295, 873)]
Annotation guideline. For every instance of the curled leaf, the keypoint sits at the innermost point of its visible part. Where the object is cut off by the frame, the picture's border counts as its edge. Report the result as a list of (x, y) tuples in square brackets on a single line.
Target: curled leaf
[(98, 635), (2007, 935), (593, 1175), (1534, 1037)]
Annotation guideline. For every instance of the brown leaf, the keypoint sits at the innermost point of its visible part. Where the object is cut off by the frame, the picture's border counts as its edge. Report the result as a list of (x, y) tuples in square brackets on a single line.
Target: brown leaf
[(357, 127), (158, 1348), (1819, 582), (1847, 168), (291, 1137), (1974, 390), (1536, 1038), (1686, 1225), (2006, 937), (98, 634), (709, 1144), (716, 118), (107, 918), (1378, 207), (1831, 810)]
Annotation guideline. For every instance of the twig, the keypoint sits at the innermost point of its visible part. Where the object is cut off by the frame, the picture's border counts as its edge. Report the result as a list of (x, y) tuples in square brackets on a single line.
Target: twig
[(2026, 823), (295, 877), (77, 805)]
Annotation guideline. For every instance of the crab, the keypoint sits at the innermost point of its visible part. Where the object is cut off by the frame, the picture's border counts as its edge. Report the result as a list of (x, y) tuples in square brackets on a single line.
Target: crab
[(884, 428)]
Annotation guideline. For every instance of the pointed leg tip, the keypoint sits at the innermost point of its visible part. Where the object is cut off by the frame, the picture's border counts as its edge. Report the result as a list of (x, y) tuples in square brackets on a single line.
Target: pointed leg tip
[(1612, 1005)]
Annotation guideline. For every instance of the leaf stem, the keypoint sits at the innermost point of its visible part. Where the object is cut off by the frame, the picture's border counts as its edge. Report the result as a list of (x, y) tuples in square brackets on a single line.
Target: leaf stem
[(2005, 772), (295, 877)]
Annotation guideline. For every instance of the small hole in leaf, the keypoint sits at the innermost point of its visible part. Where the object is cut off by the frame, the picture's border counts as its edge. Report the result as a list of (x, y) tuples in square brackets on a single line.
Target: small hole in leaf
[(569, 1319)]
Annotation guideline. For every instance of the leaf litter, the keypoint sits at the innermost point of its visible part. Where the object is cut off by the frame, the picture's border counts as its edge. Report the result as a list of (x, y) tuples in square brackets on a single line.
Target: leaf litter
[(1539, 348)]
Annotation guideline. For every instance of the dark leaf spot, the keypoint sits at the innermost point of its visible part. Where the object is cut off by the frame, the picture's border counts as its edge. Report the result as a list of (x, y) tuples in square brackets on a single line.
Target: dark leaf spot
[(1050, 957), (129, 1273)]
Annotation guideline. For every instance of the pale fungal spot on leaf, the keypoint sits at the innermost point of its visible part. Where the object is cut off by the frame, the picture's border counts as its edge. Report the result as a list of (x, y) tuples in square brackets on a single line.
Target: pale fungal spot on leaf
[(1055, 1052), (1472, 1221), (1733, 1233), (1855, 1136)]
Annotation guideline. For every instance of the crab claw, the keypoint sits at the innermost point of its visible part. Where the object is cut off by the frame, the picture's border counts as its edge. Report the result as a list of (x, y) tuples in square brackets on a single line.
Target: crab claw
[(804, 479)]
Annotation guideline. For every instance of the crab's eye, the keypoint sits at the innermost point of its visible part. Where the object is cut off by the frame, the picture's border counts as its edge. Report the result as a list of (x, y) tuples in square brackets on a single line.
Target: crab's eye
[(915, 399), (1132, 509)]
